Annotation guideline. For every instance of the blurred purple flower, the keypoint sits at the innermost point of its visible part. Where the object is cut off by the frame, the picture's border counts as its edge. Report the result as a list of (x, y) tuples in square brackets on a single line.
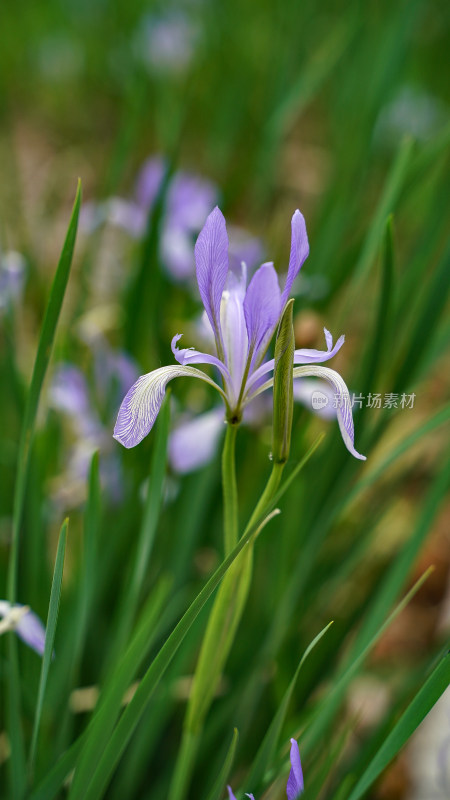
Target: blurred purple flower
[(189, 200), (295, 785), (12, 277), (243, 320), (71, 394), (25, 623), (166, 43)]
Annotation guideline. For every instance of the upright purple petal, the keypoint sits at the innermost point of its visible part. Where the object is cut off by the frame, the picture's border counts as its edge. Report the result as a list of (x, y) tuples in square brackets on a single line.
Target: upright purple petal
[(295, 783), (262, 307), (211, 258), (299, 253), (311, 356), (231, 796), (32, 632), (141, 405), (194, 443), (342, 398)]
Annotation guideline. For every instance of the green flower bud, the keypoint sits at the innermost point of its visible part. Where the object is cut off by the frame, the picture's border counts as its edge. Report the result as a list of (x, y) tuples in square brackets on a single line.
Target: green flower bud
[(283, 386)]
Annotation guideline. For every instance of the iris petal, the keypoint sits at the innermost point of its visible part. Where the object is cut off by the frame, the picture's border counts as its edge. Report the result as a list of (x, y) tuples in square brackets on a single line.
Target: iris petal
[(299, 253), (211, 259), (295, 783), (308, 356), (262, 307), (188, 355), (142, 403), (344, 405)]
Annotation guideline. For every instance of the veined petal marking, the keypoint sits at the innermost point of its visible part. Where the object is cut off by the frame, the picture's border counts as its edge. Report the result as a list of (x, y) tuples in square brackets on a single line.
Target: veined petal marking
[(344, 406), (142, 403)]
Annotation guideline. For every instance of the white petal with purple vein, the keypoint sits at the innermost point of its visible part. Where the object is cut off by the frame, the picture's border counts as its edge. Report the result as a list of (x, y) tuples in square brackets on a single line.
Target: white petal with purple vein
[(343, 402), (142, 403)]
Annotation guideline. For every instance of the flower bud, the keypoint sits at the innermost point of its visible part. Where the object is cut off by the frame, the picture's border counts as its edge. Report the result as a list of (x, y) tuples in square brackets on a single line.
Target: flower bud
[(283, 387)]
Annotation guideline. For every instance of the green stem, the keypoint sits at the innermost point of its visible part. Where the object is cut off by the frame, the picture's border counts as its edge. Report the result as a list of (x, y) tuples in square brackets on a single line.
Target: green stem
[(224, 618), (230, 495), (267, 495)]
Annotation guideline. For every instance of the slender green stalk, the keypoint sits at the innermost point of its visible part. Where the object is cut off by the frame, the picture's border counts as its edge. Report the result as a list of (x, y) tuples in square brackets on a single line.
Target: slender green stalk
[(225, 616), (230, 494)]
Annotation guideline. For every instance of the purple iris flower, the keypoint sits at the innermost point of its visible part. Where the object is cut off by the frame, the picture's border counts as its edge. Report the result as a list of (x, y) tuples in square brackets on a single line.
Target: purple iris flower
[(295, 784), (71, 394), (189, 200), (243, 320), (25, 623)]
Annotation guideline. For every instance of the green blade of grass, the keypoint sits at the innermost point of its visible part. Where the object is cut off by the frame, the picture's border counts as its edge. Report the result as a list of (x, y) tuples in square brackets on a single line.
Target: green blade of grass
[(217, 790), (49, 787), (44, 350), (111, 698), (427, 320), (388, 199), (380, 336), (88, 578), (417, 710), (46, 339), (325, 715), (52, 619), (109, 707), (269, 744), (386, 595), (146, 538), (95, 788)]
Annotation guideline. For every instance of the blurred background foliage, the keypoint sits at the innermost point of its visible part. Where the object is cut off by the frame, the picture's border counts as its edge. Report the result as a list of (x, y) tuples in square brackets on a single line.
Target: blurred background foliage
[(340, 109)]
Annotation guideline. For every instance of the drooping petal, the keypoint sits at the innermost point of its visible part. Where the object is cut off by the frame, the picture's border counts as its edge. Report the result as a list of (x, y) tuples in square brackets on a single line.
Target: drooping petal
[(194, 443), (342, 399), (299, 252), (211, 259), (295, 783), (142, 403), (188, 355), (32, 632), (311, 356), (262, 308)]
